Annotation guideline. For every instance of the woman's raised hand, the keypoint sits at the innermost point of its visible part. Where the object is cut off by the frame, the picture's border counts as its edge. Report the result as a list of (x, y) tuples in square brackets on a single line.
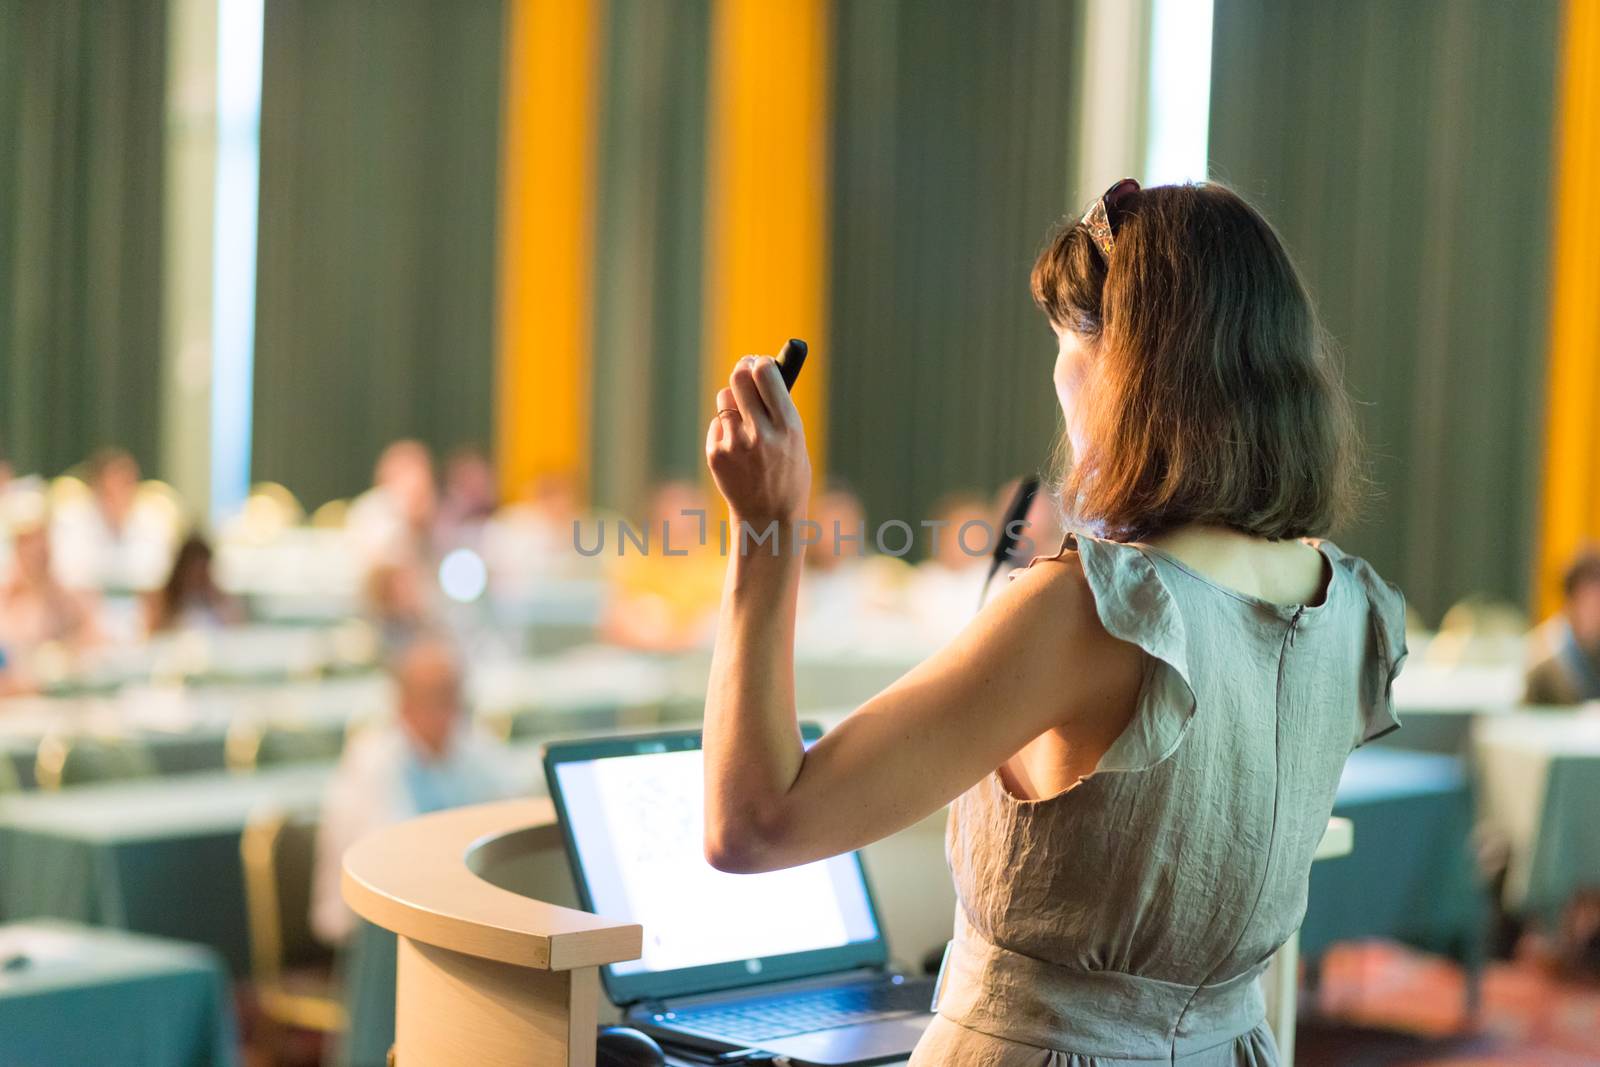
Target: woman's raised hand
[(756, 446)]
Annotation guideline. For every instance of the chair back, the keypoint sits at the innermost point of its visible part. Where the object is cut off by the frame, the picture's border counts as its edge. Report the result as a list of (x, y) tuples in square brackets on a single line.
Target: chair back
[(278, 851), (1479, 631), (268, 512), (66, 761), (331, 516)]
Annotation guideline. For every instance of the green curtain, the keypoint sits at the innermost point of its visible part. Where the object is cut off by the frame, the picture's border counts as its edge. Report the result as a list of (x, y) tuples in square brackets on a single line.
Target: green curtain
[(649, 237), (951, 156), (82, 108), (379, 178), (1403, 150)]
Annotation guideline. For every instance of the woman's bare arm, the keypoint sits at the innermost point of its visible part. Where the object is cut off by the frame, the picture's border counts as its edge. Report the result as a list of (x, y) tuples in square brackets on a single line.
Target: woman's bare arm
[(1036, 658)]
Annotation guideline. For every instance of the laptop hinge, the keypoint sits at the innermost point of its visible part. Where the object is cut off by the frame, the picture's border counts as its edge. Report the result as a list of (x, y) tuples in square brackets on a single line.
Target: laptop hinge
[(763, 989)]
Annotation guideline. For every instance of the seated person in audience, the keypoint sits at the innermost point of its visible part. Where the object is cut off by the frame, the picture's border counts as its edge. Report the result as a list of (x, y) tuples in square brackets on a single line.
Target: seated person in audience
[(397, 601), (664, 598), (1566, 666), (191, 599), (35, 609), (395, 517), (471, 496), (431, 757), (114, 540), (944, 590)]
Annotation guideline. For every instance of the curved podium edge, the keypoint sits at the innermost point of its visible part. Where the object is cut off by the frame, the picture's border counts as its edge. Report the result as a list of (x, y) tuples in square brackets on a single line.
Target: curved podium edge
[(417, 878)]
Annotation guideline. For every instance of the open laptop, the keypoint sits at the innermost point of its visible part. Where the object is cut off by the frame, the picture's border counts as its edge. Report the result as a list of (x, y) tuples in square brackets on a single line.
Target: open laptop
[(792, 963)]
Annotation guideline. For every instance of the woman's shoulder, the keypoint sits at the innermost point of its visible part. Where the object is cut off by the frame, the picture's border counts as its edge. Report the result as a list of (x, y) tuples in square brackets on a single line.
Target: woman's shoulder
[(1385, 600), (1364, 573), (1058, 634), (1105, 590), (1055, 583)]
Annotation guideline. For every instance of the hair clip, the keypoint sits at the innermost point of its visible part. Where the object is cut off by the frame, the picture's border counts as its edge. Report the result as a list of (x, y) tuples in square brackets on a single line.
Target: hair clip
[(1107, 213)]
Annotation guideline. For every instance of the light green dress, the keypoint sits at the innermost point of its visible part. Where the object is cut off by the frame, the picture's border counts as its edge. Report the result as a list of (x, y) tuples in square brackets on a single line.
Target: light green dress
[(1126, 921)]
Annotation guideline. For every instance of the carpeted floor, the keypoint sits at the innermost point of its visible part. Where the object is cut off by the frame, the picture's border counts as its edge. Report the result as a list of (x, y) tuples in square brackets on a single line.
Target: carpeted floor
[(1381, 1005)]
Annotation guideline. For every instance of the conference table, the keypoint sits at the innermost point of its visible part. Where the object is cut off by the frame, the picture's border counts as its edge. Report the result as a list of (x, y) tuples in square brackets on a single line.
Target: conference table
[(263, 653), (156, 858), (1438, 704), (71, 996), (185, 728), (1411, 876)]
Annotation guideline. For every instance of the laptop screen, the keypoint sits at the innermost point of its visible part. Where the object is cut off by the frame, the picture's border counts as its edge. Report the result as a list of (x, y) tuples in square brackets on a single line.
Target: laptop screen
[(633, 814)]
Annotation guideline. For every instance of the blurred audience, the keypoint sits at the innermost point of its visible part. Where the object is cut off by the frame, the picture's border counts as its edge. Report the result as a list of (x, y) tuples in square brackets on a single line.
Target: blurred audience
[(664, 597), (190, 599), (35, 608), (530, 540), (394, 519), (471, 496), (429, 758), (117, 539), (1566, 663), (399, 605)]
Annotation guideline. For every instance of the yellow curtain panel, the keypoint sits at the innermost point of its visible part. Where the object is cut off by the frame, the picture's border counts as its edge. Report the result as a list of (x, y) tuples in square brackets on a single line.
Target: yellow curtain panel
[(546, 241), (766, 207), (1571, 510)]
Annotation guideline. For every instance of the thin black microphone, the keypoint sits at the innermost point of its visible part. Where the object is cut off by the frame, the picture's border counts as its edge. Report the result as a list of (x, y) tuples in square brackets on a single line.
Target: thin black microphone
[(1016, 515)]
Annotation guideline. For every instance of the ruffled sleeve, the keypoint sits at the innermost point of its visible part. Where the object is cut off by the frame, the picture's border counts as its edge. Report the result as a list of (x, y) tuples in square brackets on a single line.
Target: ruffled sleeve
[(1135, 606), (1386, 613)]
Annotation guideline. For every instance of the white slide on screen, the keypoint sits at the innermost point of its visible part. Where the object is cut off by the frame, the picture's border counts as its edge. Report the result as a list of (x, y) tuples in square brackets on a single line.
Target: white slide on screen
[(645, 861)]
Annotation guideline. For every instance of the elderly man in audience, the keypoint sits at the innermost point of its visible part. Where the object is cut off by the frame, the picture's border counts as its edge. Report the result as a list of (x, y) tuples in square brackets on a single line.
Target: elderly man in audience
[(430, 758), (1566, 666), (115, 540)]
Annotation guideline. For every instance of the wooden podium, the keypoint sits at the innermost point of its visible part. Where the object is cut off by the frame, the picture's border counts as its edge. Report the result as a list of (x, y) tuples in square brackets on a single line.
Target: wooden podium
[(485, 977)]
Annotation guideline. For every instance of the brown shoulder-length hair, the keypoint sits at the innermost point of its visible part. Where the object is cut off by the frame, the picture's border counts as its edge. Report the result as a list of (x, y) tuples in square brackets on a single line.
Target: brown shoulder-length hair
[(1210, 393)]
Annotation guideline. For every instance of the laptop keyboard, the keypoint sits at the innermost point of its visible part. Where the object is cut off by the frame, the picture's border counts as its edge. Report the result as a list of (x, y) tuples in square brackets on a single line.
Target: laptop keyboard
[(754, 1021)]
